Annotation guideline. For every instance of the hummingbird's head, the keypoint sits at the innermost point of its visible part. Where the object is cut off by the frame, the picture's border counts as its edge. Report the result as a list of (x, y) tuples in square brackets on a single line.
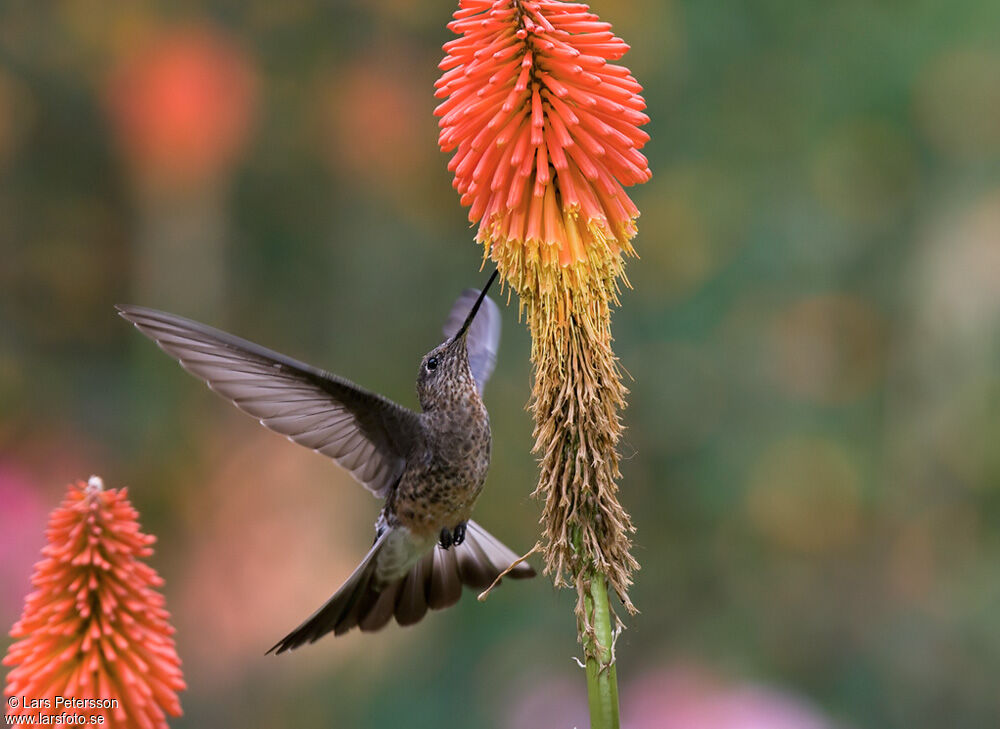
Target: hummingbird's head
[(444, 371)]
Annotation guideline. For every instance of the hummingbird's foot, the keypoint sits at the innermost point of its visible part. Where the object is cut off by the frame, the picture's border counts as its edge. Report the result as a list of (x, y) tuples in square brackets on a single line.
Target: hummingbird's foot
[(452, 537)]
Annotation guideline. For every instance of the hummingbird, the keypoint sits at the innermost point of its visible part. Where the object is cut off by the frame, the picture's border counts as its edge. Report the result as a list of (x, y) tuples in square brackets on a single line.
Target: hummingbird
[(428, 466)]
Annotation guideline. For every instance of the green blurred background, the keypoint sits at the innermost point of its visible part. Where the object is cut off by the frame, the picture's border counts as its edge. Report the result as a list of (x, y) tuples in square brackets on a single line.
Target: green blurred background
[(813, 448)]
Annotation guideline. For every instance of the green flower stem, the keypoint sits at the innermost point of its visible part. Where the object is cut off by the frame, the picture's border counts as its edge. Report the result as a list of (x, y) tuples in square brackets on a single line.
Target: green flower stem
[(602, 679)]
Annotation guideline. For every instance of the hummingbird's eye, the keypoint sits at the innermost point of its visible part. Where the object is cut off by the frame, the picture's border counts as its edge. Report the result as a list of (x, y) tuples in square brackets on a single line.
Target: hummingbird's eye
[(432, 363)]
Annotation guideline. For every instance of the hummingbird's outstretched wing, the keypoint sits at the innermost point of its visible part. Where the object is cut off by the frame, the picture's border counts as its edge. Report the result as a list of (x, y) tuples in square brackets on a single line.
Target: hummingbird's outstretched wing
[(365, 433), (483, 339)]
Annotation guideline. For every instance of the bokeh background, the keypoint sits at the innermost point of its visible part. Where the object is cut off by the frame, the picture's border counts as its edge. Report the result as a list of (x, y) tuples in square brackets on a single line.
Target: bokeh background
[(813, 452)]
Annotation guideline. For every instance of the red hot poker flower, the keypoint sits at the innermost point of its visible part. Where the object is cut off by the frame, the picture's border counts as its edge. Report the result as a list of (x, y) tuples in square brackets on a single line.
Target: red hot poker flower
[(546, 130), (95, 629), (545, 133)]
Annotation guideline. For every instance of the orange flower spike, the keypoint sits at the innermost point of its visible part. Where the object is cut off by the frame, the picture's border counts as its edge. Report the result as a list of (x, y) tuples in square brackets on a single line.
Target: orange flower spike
[(544, 134), (529, 92), (95, 628)]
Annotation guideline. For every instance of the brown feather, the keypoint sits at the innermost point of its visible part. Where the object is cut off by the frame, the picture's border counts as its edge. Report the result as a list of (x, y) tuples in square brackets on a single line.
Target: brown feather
[(364, 432), (444, 587), (435, 582), (412, 603), (381, 610)]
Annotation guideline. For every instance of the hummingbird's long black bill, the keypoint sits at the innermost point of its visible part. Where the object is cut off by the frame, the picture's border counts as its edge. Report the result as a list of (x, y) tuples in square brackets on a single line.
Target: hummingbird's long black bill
[(475, 307)]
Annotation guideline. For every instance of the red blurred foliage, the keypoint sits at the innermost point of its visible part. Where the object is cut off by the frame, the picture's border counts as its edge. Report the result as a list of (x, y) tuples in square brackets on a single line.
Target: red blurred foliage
[(226, 563), (182, 105), (692, 698), (371, 107), (21, 520), (95, 627), (546, 130)]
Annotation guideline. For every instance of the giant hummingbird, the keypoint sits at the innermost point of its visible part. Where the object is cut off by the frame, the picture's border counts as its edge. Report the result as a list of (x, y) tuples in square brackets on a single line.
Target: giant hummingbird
[(429, 467)]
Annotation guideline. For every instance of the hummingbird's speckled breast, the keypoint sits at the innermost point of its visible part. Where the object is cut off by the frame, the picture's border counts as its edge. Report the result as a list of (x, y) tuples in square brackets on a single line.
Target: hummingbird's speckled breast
[(441, 483)]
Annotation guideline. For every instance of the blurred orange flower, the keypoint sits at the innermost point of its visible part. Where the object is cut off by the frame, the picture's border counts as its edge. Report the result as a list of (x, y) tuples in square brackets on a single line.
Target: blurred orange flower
[(546, 130), (182, 105), (95, 629)]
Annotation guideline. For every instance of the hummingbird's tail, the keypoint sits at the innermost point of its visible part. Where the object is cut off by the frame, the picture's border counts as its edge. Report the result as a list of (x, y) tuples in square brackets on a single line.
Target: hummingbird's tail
[(434, 582)]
